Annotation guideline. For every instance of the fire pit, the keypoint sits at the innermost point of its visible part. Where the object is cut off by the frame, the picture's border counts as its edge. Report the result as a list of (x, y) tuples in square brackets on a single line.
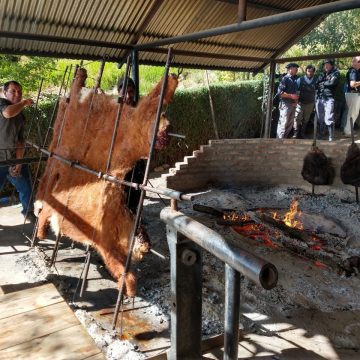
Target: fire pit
[(310, 235), (312, 240), (307, 234)]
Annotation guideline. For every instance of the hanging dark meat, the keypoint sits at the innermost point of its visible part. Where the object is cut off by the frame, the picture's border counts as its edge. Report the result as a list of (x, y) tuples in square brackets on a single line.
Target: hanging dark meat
[(317, 169), (350, 170)]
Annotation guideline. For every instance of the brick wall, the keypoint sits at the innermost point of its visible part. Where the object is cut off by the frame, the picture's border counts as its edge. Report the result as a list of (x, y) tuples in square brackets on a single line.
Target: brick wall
[(239, 162)]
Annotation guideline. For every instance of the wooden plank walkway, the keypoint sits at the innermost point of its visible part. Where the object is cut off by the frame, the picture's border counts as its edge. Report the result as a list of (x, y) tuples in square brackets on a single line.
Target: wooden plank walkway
[(37, 323)]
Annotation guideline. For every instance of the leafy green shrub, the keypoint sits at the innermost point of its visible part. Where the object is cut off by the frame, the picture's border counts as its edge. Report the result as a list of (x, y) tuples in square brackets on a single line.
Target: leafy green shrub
[(38, 120), (237, 115)]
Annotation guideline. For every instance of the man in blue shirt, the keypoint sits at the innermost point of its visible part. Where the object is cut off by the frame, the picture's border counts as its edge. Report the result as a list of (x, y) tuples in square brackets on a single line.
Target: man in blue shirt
[(325, 99), (288, 100), (352, 95), (305, 107)]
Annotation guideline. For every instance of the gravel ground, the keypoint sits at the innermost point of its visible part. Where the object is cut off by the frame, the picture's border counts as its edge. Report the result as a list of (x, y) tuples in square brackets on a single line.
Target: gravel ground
[(304, 291)]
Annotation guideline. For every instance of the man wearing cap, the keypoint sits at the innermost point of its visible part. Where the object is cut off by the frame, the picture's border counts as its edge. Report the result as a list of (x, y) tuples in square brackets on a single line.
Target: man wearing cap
[(325, 98), (306, 85), (288, 100), (352, 95)]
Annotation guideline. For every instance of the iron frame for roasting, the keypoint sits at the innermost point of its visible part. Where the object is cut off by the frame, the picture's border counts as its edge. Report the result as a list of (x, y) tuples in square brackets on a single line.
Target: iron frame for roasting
[(186, 239)]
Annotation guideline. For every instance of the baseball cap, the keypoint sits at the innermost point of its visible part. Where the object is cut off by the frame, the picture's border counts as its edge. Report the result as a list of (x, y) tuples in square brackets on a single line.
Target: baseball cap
[(290, 65), (329, 61)]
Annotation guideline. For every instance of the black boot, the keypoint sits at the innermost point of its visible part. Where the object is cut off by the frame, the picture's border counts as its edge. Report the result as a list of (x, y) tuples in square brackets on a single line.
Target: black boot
[(303, 132), (331, 132), (299, 132), (321, 131)]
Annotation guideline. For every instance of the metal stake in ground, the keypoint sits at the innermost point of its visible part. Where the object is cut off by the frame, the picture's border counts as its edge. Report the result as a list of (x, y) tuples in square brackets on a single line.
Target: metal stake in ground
[(36, 178), (121, 101), (353, 142), (35, 113), (97, 84), (142, 196), (314, 145), (58, 237), (211, 106)]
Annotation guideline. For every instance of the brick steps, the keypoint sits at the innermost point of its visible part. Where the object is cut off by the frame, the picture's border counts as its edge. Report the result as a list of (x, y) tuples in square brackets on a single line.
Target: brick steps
[(239, 162)]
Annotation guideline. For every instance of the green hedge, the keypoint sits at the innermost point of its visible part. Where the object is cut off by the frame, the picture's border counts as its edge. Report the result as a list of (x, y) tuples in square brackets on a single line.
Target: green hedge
[(237, 108), (237, 113), (38, 119)]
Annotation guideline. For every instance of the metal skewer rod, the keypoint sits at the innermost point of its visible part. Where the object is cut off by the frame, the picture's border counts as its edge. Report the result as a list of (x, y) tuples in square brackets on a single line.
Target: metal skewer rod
[(142, 196), (174, 194), (353, 142), (116, 125)]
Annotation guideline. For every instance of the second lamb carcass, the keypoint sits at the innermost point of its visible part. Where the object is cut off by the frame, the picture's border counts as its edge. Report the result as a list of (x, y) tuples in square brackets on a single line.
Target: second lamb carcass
[(79, 205)]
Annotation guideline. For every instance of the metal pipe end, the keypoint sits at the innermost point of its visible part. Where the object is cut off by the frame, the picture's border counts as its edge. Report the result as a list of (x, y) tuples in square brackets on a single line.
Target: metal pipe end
[(187, 197), (268, 276)]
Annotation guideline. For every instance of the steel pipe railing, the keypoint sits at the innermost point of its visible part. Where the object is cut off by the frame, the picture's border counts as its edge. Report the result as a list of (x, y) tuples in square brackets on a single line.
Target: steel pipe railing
[(256, 269), (186, 282), (25, 160), (173, 194), (257, 23)]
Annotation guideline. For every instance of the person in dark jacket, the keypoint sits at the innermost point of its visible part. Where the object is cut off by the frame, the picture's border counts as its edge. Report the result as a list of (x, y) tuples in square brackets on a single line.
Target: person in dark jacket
[(137, 173), (325, 99), (130, 93), (352, 95), (288, 100), (305, 107)]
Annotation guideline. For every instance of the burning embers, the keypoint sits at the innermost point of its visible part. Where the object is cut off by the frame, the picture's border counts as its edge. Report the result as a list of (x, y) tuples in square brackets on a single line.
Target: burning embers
[(310, 236), (292, 217)]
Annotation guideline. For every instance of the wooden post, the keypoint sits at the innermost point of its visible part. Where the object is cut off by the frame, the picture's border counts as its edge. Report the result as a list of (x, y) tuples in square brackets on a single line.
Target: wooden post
[(242, 11), (269, 104), (135, 74)]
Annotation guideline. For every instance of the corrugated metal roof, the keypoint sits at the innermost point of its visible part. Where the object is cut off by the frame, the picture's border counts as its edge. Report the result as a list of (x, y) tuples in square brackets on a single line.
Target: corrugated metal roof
[(88, 29)]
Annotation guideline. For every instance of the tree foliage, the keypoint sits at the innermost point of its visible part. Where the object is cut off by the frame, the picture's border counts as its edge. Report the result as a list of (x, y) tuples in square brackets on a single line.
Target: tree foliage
[(339, 32), (27, 70)]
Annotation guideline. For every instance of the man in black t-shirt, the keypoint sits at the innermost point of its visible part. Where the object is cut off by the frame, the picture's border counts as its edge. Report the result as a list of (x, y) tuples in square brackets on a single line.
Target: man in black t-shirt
[(352, 94), (137, 173), (12, 142)]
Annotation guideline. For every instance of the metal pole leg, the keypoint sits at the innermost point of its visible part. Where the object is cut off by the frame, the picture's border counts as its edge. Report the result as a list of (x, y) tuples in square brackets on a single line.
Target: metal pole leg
[(86, 271), (232, 308), (186, 297), (55, 251)]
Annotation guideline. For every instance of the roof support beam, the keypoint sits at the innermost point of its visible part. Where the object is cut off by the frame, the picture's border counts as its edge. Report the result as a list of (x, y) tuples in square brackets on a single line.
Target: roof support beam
[(155, 7), (227, 45), (257, 23), (65, 40), (197, 67), (254, 4), (242, 10), (294, 38), (210, 55), (320, 56), (299, 34), (62, 55)]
